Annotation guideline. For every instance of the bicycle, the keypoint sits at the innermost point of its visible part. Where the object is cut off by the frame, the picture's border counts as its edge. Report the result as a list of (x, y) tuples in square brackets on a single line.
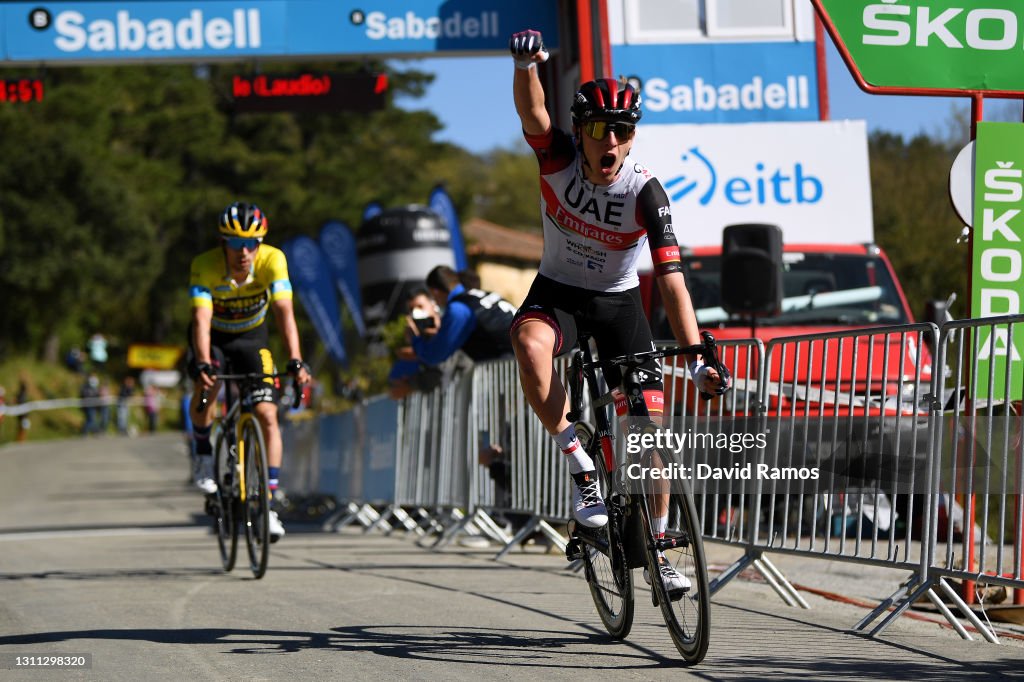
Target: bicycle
[(627, 541), (240, 472)]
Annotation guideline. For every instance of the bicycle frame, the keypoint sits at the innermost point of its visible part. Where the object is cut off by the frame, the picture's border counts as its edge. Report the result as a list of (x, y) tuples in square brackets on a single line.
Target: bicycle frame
[(240, 446), (629, 540), (240, 413), (583, 367), (237, 417)]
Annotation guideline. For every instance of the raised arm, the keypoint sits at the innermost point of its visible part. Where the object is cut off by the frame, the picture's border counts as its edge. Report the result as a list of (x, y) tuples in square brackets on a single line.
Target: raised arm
[(527, 48)]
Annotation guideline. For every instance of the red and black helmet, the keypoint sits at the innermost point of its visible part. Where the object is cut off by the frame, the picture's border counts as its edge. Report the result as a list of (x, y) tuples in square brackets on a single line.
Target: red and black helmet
[(608, 100)]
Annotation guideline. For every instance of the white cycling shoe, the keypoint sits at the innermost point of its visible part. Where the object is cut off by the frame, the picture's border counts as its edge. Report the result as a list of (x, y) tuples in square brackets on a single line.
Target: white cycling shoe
[(202, 474), (274, 526), (675, 583), (587, 504)]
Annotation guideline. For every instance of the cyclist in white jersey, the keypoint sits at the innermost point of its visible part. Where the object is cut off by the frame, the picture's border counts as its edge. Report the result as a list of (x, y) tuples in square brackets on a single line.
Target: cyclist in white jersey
[(599, 210)]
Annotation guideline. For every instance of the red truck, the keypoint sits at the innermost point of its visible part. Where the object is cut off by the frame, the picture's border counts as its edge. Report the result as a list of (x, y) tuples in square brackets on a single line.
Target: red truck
[(826, 288)]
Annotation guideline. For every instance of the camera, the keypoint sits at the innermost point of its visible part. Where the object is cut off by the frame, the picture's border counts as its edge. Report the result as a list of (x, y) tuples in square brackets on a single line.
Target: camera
[(423, 323)]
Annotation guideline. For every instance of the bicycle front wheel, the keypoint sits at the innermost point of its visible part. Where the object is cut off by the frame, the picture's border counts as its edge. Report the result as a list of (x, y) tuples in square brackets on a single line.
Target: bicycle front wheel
[(253, 450), (609, 578), (225, 524), (688, 613)]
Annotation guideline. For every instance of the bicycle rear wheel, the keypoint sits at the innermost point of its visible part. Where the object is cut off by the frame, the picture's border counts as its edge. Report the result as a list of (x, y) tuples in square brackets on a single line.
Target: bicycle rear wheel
[(687, 614), (257, 496), (225, 524), (609, 579)]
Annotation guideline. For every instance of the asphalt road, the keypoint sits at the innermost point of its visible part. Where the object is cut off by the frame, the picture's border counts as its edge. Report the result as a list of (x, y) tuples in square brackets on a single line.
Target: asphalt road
[(104, 551)]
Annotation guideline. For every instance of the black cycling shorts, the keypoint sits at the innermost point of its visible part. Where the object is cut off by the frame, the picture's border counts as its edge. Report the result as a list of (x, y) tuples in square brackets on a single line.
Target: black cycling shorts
[(614, 319), (245, 353)]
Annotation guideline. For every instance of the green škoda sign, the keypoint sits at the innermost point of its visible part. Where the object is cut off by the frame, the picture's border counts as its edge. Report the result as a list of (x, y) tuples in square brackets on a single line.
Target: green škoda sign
[(997, 284), (932, 44)]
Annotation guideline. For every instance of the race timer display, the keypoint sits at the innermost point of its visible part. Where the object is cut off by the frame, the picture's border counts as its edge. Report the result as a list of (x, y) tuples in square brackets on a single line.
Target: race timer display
[(21, 90)]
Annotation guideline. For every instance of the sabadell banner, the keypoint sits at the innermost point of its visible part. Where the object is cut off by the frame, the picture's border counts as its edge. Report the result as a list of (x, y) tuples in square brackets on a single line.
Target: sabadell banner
[(812, 179), (723, 82), (172, 29)]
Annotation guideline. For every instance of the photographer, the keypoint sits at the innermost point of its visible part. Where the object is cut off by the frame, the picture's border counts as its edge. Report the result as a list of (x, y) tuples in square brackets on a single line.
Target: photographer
[(409, 374), (474, 321)]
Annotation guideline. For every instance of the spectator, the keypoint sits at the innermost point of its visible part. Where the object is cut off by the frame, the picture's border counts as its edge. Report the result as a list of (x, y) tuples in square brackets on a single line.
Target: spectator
[(89, 394), (186, 428), (75, 361), (103, 409), (151, 404), (475, 321), (124, 395), (24, 421), (408, 373), (186, 418), (470, 279), (97, 345)]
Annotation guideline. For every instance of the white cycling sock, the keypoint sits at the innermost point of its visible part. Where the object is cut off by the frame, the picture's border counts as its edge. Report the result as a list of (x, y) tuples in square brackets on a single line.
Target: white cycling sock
[(660, 526), (571, 447)]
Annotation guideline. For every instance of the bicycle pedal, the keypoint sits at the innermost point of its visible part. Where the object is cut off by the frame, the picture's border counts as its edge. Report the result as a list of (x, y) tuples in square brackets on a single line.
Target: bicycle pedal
[(211, 505), (573, 550), (676, 595)]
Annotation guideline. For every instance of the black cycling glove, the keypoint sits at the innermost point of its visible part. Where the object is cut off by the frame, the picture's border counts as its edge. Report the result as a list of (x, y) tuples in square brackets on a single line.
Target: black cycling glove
[(524, 45)]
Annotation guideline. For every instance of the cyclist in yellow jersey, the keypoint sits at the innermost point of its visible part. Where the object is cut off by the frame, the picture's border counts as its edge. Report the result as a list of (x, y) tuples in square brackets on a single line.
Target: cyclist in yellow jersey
[(232, 287)]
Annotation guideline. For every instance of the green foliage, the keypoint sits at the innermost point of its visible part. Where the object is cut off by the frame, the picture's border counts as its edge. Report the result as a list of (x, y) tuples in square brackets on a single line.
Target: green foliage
[(117, 179), (129, 167), (510, 193), (914, 220)]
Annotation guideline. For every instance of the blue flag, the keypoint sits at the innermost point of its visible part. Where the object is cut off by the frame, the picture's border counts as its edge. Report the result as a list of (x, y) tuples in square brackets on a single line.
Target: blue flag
[(371, 209), (311, 279), (441, 204), (339, 247)]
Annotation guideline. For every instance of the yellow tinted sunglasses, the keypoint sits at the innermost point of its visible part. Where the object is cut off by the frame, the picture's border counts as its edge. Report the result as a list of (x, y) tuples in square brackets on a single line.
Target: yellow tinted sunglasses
[(600, 129)]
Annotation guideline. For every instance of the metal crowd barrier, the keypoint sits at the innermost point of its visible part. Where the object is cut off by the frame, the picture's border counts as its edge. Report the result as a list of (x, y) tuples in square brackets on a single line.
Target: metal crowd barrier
[(906, 466), (980, 450), (856, 408)]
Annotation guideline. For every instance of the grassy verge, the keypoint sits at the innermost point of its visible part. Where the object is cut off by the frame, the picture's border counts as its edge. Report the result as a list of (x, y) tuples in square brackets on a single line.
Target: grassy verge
[(44, 381)]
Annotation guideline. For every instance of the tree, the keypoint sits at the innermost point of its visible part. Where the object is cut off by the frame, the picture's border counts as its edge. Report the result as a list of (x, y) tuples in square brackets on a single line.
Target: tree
[(914, 220), (121, 173)]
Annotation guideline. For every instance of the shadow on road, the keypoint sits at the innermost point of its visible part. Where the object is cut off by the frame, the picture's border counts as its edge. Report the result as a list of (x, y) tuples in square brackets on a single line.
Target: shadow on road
[(446, 644), (443, 643), (114, 574)]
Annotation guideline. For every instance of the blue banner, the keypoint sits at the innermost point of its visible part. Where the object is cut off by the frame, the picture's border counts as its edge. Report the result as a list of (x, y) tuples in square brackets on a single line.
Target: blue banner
[(175, 29), (311, 279), (379, 450), (441, 204), (723, 82), (339, 249)]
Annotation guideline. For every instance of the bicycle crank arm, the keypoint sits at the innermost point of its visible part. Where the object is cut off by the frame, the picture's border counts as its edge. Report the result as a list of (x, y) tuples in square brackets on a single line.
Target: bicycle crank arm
[(592, 537), (664, 543)]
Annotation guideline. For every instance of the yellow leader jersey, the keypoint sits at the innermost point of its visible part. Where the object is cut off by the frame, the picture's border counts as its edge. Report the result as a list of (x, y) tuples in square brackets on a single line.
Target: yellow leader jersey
[(239, 306)]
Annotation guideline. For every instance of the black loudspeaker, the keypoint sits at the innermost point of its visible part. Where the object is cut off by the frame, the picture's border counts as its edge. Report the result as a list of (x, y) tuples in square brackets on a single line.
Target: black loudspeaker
[(752, 269)]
